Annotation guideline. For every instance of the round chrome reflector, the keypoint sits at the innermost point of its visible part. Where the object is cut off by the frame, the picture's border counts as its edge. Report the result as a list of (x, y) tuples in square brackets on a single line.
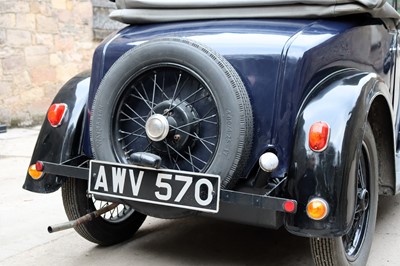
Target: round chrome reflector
[(268, 161), (157, 127)]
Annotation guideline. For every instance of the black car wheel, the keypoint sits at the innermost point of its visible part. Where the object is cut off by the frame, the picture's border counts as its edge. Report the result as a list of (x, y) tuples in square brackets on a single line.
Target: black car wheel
[(112, 227), (353, 248), (180, 100)]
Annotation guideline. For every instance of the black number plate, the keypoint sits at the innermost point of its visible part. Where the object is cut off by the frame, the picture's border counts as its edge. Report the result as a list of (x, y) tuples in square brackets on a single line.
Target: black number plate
[(194, 191)]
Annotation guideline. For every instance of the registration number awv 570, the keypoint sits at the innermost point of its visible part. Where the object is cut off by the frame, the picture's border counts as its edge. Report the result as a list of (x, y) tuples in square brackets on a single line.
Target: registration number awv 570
[(164, 187)]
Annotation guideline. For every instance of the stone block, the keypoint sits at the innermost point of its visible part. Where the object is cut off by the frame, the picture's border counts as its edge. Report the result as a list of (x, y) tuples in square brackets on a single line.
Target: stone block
[(46, 24), (7, 20), (7, 51), (2, 36), (14, 7), (70, 5), (59, 4), (5, 89), (31, 95), (55, 60), (46, 39), (43, 74), (36, 50), (66, 71), (85, 45), (63, 43), (26, 21), (13, 64), (51, 90), (41, 7), (12, 101), (5, 114), (65, 16), (22, 81), (18, 37), (84, 10), (35, 60)]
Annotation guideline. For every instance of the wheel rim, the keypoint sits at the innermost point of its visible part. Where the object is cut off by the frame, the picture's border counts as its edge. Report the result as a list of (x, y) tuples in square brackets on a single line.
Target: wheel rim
[(168, 110), (116, 215), (353, 241)]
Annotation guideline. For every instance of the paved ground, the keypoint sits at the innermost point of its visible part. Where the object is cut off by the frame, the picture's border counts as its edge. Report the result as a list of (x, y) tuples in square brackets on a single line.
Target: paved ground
[(25, 216)]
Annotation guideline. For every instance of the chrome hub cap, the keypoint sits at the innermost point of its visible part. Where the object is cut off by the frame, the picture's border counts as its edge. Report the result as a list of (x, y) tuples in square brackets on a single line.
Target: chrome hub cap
[(157, 127)]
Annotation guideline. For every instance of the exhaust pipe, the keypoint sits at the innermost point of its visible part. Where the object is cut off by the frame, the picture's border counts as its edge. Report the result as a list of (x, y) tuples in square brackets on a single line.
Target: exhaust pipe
[(84, 219)]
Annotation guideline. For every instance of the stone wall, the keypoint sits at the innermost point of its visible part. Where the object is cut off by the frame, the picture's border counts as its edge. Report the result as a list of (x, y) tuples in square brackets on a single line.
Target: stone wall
[(43, 43)]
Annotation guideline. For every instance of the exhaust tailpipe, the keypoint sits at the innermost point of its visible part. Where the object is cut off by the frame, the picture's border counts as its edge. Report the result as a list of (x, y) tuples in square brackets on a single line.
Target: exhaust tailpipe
[(84, 219)]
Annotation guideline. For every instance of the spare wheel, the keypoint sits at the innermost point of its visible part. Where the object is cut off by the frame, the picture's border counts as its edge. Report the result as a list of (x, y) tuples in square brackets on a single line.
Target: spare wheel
[(194, 89)]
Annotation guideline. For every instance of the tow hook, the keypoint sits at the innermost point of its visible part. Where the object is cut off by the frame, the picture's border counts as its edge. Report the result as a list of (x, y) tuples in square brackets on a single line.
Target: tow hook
[(84, 219)]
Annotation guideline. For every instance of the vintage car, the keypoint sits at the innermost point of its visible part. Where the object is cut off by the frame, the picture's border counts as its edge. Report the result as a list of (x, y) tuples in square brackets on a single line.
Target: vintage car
[(264, 112)]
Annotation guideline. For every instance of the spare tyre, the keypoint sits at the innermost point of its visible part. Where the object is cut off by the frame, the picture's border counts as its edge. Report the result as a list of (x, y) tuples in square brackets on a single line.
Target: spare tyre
[(178, 99)]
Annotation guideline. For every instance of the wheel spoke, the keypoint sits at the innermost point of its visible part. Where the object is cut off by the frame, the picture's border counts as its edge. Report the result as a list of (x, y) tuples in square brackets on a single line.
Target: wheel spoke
[(158, 87), (132, 141), (180, 155), (140, 97), (176, 88), (202, 140), (128, 134), (176, 163), (133, 111), (198, 121), (145, 92), (154, 94), (184, 100), (191, 158), (198, 100), (204, 143), (115, 215), (197, 158), (169, 155)]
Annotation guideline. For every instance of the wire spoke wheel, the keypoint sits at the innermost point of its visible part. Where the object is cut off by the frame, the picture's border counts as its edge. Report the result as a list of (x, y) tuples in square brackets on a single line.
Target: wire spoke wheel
[(116, 215), (354, 239), (169, 111)]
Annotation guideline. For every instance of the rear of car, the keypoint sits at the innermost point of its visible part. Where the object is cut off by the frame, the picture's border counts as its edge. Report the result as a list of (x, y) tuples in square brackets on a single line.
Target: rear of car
[(245, 115)]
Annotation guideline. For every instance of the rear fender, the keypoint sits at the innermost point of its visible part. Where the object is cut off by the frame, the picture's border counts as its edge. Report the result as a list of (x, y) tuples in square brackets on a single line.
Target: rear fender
[(343, 101), (59, 144)]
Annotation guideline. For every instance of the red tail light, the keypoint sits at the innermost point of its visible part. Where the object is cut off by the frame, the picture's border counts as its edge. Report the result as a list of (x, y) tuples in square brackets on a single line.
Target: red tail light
[(318, 137), (290, 206), (56, 113)]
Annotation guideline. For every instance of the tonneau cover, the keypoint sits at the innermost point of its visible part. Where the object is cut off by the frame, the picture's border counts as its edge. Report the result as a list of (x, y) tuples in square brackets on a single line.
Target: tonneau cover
[(153, 11)]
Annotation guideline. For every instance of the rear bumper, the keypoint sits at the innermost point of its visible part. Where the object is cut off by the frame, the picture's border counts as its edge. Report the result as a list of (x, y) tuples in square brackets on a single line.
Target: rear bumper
[(247, 208)]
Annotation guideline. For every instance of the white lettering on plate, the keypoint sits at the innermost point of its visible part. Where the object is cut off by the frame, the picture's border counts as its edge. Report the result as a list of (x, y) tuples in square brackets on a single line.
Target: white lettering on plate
[(101, 180), (197, 194), (118, 177), (160, 183), (188, 181), (135, 184)]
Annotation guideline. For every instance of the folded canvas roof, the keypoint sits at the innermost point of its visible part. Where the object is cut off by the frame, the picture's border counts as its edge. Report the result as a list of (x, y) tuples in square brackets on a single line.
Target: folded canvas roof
[(153, 11)]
